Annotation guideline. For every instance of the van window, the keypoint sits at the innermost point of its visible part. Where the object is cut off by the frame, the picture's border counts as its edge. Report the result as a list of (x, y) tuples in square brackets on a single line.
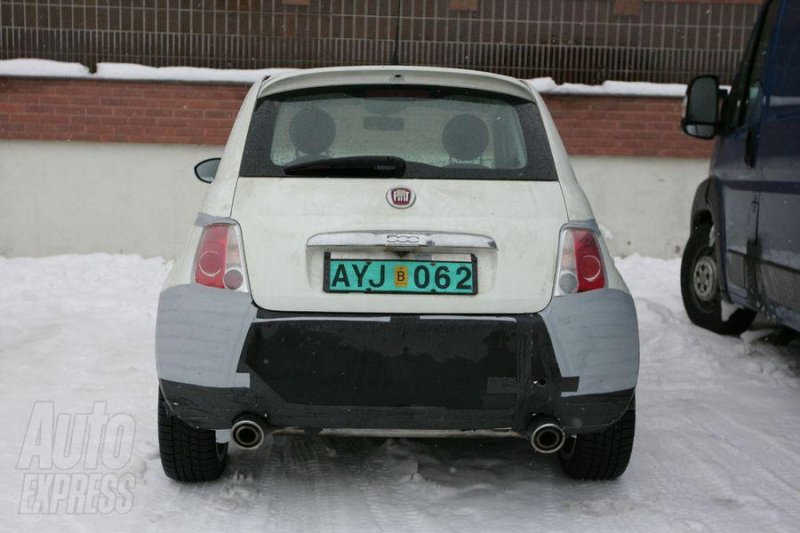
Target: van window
[(748, 88), (785, 85), (439, 132)]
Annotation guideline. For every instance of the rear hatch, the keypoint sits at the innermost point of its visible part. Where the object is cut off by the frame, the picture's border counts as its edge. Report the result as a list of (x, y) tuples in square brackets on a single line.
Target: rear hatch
[(279, 216), (469, 183)]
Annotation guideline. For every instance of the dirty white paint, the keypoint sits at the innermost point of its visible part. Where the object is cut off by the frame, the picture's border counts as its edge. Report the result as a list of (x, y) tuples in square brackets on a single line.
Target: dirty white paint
[(277, 217)]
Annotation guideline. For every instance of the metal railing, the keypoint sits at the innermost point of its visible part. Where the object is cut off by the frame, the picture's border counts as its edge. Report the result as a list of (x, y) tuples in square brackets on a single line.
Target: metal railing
[(579, 41)]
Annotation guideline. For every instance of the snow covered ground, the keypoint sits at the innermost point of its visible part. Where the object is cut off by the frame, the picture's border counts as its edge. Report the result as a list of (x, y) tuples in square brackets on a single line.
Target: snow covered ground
[(717, 444)]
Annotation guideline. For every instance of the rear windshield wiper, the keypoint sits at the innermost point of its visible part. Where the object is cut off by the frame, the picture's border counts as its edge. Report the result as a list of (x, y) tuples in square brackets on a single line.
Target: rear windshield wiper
[(354, 166)]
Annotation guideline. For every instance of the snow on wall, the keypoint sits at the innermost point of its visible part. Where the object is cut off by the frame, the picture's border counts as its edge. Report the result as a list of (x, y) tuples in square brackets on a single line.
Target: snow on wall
[(610, 88), (129, 71), (42, 68)]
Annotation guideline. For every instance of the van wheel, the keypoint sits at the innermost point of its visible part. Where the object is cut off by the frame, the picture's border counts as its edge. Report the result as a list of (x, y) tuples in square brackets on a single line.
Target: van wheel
[(601, 455), (188, 454), (700, 286)]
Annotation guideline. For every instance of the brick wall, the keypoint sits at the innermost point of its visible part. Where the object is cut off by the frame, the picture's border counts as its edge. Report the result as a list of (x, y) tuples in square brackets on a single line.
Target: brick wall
[(624, 126), (202, 113)]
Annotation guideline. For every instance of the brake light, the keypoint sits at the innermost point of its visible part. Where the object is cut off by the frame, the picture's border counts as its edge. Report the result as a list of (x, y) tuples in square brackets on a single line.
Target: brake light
[(581, 267), (219, 262)]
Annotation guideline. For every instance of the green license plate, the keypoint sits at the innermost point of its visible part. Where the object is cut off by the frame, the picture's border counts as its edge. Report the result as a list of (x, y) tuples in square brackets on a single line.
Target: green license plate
[(401, 277)]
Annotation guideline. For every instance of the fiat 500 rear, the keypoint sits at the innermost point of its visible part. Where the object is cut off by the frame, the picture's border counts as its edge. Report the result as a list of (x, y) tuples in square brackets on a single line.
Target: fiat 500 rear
[(393, 251)]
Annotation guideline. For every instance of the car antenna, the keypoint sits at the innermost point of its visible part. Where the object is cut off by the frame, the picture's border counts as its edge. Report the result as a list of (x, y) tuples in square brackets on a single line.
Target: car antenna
[(396, 52)]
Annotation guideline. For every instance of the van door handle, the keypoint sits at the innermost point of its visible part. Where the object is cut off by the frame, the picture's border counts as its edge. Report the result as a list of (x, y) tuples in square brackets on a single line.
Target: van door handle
[(750, 148)]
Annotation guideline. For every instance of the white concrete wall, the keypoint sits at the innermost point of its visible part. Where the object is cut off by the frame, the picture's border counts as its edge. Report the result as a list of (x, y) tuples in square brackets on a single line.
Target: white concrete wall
[(642, 203), (60, 197)]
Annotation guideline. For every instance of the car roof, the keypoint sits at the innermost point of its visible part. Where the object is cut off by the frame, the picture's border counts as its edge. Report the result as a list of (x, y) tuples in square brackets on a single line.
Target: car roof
[(394, 75)]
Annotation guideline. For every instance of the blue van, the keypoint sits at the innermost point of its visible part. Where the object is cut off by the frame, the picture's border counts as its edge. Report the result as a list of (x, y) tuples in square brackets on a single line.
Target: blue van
[(743, 254)]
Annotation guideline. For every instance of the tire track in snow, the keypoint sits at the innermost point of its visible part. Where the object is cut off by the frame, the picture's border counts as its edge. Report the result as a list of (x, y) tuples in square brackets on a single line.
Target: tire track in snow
[(386, 491), (296, 483), (764, 453), (311, 489)]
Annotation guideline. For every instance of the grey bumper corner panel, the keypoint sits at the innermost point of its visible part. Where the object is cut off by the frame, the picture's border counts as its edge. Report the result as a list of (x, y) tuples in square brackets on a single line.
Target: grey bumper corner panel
[(198, 329), (595, 337)]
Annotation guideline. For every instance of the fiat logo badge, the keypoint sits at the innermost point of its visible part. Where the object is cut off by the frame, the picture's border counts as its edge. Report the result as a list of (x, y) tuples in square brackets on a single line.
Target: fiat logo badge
[(401, 197)]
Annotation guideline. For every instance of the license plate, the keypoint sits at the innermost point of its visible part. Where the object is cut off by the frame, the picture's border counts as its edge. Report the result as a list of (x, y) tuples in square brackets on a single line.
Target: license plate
[(400, 276)]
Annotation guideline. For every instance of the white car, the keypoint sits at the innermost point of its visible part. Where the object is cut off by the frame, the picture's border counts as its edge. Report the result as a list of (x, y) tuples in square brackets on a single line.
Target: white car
[(395, 251)]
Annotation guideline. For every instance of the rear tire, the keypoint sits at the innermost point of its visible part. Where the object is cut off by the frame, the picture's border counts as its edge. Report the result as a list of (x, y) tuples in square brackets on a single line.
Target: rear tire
[(700, 287), (601, 455), (188, 454)]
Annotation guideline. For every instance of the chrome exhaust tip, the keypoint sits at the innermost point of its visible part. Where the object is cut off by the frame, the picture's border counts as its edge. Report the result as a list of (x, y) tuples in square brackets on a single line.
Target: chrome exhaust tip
[(546, 436), (248, 432)]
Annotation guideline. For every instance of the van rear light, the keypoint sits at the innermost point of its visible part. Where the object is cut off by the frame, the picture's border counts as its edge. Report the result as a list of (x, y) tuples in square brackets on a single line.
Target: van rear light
[(219, 261), (581, 266)]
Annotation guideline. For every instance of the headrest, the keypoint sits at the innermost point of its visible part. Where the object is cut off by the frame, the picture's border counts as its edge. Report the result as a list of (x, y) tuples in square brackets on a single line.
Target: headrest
[(465, 137), (312, 131)]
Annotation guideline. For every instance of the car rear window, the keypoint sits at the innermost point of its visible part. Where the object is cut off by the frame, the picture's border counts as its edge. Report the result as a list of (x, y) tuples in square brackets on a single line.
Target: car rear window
[(439, 132)]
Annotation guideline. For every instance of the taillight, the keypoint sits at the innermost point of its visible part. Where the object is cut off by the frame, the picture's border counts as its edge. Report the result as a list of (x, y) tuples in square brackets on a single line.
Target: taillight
[(581, 267), (219, 262)]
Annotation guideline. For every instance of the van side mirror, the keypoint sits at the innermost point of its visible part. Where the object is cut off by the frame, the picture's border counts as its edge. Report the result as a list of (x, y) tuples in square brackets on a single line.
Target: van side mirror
[(207, 170), (701, 113)]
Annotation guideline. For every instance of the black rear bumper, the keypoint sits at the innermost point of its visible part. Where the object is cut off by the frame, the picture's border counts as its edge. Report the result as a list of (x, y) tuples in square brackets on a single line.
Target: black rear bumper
[(398, 372)]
